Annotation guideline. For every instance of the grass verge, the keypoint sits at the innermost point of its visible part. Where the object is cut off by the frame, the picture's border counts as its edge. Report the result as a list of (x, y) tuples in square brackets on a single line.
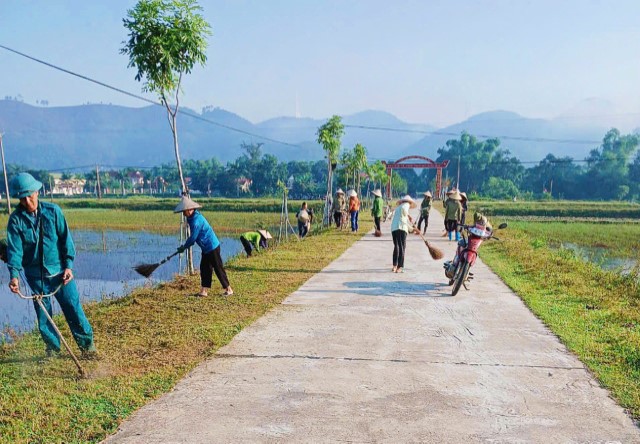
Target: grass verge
[(595, 313), (148, 341)]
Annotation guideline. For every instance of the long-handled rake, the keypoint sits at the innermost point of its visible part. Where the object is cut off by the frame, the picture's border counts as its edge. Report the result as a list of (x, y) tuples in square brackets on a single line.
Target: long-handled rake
[(38, 298), (147, 269), (435, 253)]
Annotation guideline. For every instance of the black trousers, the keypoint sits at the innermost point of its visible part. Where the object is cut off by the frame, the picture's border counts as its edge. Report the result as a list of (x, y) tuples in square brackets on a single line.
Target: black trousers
[(426, 221), (247, 245), (450, 225), (209, 263), (399, 247), (376, 220), (337, 217)]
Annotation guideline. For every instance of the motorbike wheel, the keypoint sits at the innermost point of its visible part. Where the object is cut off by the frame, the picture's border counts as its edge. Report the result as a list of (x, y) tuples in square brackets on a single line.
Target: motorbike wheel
[(461, 275)]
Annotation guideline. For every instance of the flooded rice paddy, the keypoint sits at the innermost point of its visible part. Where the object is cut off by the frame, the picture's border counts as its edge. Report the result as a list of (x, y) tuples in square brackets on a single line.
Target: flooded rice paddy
[(103, 270), (602, 257)]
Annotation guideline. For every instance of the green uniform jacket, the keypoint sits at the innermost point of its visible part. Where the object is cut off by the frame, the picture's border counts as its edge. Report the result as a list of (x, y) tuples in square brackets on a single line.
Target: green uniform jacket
[(376, 211), (452, 210), (339, 204), (425, 206), (254, 238), (23, 237)]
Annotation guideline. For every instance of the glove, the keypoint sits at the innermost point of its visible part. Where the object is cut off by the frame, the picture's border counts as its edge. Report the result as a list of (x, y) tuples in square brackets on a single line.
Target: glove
[(181, 249)]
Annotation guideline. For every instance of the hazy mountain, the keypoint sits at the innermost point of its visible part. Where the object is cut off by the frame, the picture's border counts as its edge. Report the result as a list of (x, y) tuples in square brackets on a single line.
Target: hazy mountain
[(528, 139)]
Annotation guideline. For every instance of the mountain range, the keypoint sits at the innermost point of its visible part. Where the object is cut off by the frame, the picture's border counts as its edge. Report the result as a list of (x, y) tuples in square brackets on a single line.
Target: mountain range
[(116, 136)]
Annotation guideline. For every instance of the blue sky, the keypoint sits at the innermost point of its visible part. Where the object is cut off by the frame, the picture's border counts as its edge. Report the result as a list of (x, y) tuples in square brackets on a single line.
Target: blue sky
[(434, 62)]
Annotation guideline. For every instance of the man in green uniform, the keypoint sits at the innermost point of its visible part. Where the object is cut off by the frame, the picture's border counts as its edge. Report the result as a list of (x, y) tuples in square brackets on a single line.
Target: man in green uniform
[(425, 207), (39, 243), (452, 213), (254, 239), (376, 210)]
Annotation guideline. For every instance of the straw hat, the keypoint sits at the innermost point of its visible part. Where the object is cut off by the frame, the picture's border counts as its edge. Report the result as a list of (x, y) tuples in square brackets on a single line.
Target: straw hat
[(427, 194), (265, 234), (339, 191), (353, 193), (407, 198), (377, 193), (186, 204), (463, 195), (454, 195)]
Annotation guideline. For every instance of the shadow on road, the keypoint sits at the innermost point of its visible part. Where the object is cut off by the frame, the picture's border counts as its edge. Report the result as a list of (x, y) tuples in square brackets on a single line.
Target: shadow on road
[(400, 289)]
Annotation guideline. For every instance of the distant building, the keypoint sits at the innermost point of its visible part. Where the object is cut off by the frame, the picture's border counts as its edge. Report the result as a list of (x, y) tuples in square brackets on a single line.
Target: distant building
[(68, 187), (244, 184)]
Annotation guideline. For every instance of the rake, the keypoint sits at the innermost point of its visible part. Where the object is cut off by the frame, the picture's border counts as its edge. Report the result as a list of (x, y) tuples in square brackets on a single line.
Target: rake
[(147, 269)]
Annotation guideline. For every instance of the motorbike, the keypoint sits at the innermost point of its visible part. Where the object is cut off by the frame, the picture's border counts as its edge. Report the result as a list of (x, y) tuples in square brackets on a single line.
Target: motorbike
[(457, 270)]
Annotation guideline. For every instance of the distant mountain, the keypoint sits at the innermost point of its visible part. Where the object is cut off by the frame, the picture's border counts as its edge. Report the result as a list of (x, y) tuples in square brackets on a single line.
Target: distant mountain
[(527, 139)]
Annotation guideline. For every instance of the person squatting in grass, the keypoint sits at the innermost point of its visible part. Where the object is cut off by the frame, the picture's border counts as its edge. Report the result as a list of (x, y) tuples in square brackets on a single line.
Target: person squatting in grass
[(452, 213), (339, 205), (401, 225), (203, 235), (425, 207), (354, 210), (39, 243), (376, 208), (255, 239)]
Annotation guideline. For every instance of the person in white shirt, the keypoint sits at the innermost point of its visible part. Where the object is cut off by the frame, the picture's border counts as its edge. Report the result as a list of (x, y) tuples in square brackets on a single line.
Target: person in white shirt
[(401, 225)]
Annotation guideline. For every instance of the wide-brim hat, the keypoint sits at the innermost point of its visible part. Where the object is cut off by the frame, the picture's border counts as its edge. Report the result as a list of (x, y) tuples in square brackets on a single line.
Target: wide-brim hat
[(463, 195), (427, 194), (455, 195), (377, 193), (23, 185), (408, 198), (339, 191), (186, 204), (265, 234), (353, 193)]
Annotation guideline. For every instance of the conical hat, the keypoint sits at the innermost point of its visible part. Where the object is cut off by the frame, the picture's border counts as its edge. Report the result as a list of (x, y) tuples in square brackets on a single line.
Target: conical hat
[(377, 193), (454, 195), (427, 194), (265, 234), (463, 195), (353, 193), (339, 191), (408, 198), (186, 204)]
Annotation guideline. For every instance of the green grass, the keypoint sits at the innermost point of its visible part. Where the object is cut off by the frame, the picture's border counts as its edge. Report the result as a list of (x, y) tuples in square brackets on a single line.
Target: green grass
[(148, 341), (559, 209), (595, 313)]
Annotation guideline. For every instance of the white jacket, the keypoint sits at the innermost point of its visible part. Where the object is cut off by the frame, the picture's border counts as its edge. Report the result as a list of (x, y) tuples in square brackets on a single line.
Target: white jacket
[(400, 219)]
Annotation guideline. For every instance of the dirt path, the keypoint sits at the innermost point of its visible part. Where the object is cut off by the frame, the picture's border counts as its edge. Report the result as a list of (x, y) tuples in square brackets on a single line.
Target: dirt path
[(360, 354)]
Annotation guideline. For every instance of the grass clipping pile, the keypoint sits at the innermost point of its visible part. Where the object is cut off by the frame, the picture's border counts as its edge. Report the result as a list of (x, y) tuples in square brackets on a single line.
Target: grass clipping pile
[(147, 341)]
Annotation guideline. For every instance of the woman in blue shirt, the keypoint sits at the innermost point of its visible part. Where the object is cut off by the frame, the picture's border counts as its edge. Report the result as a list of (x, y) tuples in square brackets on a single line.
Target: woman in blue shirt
[(203, 235)]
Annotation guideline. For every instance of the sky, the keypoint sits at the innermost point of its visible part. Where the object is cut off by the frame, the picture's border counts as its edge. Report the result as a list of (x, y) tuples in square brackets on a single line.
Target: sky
[(431, 62)]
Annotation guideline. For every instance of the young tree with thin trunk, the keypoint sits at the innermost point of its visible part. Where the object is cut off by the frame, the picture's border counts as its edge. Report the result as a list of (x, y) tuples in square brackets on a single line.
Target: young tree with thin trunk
[(167, 38), (329, 136)]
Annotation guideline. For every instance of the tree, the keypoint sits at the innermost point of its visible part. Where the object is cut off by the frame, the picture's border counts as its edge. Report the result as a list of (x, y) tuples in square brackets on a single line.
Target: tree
[(167, 38), (360, 163), (329, 136), (498, 188)]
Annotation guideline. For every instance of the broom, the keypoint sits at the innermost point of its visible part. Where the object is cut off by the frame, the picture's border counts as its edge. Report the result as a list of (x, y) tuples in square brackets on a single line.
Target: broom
[(435, 253), (147, 269)]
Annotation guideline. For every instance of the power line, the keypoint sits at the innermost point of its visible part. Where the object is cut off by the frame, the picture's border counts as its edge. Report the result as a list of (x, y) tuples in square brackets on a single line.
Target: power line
[(144, 99)]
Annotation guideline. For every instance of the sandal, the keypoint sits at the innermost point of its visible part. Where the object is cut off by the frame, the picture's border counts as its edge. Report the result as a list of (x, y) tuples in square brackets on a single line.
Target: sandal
[(227, 292)]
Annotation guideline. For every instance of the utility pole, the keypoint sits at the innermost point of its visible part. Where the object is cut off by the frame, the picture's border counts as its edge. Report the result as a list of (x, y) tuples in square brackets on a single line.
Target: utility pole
[(50, 189), (98, 190), (4, 170), (458, 180)]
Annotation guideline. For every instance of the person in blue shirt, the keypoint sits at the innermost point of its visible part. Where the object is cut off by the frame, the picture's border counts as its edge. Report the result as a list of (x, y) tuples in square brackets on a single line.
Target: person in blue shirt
[(39, 244), (203, 235)]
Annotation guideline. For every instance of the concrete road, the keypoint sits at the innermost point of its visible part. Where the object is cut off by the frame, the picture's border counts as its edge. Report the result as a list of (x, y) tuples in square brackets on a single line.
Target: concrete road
[(361, 354)]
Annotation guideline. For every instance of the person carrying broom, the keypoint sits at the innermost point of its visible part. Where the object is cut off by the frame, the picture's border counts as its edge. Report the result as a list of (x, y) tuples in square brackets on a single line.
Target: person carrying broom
[(203, 235), (401, 225), (377, 211)]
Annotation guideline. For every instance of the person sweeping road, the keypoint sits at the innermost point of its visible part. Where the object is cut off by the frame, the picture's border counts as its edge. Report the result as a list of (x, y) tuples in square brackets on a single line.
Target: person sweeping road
[(255, 240), (377, 211), (39, 244), (203, 235), (401, 225)]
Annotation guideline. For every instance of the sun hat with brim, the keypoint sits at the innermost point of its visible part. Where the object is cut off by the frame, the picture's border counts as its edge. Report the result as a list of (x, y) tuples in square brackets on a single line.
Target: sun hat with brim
[(23, 185), (463, 195), (377, 193), (427, 194), (455, 195), (339, 191), (265, 234), (186, 204), (407, 198), (353, 193)]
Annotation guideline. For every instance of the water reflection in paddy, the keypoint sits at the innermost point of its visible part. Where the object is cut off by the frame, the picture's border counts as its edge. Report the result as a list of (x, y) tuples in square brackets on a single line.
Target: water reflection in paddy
[(103, 269)]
